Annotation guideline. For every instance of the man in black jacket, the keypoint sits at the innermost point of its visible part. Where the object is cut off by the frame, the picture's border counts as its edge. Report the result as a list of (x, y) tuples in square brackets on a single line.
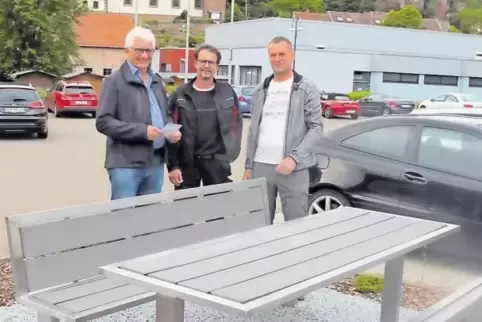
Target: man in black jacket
[(211, 126)]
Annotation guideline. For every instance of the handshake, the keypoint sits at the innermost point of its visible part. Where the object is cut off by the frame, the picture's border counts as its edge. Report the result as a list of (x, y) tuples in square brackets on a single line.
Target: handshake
[(170, 132)]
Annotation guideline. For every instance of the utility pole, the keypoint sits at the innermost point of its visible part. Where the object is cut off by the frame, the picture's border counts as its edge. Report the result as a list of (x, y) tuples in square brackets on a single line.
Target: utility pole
[(136, 14), (295, 26), (232, 11), (186, 51), (231, 49), (246, 9)]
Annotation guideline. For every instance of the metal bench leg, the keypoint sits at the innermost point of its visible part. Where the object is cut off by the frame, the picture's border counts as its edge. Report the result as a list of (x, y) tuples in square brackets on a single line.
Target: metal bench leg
[(392, 290), (169, 309), (46, 318)]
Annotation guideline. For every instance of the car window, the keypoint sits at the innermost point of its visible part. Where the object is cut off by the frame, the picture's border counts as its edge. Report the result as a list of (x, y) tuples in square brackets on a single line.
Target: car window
[(440, 98), (248, 91), (79, 90), (16, 95), (451, 99), (341, 98), (375, 97), (450, 151), (389, 142)]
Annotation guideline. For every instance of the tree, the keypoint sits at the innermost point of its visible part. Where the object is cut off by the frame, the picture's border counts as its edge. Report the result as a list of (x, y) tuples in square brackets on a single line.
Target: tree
[(285, 8), (469, 21), (238, 14), (350, 5), (407, 17), (39, 34)]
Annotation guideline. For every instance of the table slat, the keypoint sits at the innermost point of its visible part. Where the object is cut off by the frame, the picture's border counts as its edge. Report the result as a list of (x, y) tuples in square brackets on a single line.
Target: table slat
[(254, 288), (236, 258)]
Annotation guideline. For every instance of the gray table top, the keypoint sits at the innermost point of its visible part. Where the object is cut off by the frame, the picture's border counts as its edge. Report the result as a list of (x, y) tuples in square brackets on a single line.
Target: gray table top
[(246, 273)]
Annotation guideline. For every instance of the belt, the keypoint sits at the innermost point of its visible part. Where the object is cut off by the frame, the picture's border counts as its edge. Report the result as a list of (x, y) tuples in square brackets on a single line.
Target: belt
[(161, 152)]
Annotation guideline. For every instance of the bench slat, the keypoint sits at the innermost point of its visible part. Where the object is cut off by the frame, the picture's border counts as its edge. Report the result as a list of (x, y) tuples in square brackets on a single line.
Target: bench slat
[(102, 298), (74, 265), (91, 229), (260, 286), (77, 290), (282, 245)]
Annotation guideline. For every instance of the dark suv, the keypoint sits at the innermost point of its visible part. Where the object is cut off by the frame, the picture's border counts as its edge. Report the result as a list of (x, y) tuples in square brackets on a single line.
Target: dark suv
[(21, 109)]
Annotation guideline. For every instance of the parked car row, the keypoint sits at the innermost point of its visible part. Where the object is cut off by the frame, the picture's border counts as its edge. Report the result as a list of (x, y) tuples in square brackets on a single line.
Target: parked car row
[(419, 165), (452, 100)]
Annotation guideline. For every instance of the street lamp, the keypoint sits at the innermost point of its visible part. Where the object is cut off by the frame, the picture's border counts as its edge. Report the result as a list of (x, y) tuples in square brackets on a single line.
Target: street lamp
[(295, 26)]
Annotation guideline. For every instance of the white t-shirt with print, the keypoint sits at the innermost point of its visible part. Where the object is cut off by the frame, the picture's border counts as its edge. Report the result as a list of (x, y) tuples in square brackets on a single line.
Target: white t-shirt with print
[(272, 129)]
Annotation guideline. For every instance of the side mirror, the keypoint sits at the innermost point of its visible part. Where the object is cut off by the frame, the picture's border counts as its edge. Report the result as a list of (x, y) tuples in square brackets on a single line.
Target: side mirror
[(432, 100)]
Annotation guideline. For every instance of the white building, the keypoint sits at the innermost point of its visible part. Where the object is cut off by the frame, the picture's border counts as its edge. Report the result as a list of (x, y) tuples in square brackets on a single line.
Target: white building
[(147, 7)]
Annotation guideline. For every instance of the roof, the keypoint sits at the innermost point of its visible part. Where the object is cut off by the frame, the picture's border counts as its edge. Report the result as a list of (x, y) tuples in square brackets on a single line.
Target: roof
[(103, 30), (365, 18), (75, 74), (31, 71)]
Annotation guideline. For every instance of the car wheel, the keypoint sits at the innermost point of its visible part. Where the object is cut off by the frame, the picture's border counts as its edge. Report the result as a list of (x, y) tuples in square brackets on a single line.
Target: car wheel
[(93, 114), (423, 106), (325, 200), (56, 112), (328, 113), (43, 135), (354, 116), (387, 111)]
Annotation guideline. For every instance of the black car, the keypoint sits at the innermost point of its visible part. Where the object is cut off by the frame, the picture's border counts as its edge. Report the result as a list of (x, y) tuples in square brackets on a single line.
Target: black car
[(381, 104), (21, 109), (424, 166)]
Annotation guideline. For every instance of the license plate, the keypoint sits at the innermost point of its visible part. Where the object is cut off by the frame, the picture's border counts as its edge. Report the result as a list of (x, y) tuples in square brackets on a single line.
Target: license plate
[(81, 102), (15, 109), (406, 105), (350, 111)]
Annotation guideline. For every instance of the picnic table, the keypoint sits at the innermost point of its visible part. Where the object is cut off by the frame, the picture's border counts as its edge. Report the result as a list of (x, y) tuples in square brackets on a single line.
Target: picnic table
[(250, 272)]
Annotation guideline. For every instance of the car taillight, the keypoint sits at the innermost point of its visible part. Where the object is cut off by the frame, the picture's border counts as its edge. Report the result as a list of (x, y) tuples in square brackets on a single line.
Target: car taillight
[(392, 104), (468, 105), (241, 99), (37, 104)]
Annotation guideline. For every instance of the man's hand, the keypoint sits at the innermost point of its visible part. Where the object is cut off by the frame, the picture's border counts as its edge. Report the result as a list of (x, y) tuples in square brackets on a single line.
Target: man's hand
[(153, 133), (175, 176), (248, 174), (286, 166), (174, 136)]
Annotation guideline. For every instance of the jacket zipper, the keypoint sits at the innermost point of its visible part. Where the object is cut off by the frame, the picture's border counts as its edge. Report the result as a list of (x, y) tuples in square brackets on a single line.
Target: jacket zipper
[(288, 120)]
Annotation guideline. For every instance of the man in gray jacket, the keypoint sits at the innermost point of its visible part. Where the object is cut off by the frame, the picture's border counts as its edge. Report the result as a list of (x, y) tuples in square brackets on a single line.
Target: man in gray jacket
[(132, 115), (286, 123)]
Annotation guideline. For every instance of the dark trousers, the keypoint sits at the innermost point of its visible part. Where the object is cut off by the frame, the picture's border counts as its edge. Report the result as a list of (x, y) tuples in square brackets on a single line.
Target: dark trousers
[(209, 171)]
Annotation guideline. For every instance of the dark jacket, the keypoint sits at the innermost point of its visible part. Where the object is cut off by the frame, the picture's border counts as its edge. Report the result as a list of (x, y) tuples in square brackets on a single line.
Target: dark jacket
[(183, 111), (304, 126), (123, 116)]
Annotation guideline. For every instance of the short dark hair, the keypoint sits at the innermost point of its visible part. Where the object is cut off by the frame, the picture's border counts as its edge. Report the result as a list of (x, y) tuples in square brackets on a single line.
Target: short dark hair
[(209, 48), (280, 39)]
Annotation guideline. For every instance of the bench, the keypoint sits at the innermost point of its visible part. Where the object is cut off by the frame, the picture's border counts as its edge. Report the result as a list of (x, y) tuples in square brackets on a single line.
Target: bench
[(56, 254), (464, 305)]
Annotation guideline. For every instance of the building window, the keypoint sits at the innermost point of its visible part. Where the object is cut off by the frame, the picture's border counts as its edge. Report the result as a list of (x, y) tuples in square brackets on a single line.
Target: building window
[(198, 4), (127, 2), (182, 66), (165, 68), (175, 3), (107, 71), (95, 5), (475, 82), (223, 70), (88, 69), (400, 78), (153, 3), (249, 75), (441, 80)]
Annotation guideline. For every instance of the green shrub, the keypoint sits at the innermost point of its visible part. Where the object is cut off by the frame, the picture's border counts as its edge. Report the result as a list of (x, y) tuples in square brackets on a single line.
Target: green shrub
[(358, 95), (170, 88), (368, 283), (42, 93)]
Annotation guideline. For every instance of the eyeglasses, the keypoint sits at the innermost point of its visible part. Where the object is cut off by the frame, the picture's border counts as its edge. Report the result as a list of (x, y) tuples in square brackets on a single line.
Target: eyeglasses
[(207, 62), (140, 51)]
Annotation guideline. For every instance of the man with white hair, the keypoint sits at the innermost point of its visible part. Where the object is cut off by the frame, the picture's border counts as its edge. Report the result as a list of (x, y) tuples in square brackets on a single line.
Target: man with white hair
[(132, 114)]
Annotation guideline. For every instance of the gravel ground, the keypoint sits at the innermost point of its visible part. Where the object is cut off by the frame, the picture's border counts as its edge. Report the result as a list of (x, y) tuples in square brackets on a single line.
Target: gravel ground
[(324, 305)]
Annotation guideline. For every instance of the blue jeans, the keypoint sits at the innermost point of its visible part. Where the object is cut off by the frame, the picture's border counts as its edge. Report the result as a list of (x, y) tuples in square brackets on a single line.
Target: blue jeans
[(132, 182)]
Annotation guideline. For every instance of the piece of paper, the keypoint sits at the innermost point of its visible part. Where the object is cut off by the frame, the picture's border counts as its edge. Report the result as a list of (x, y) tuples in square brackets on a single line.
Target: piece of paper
[(171, 128)]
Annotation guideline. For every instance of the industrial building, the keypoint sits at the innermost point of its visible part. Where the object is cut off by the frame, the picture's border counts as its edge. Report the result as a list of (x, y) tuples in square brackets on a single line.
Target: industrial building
[(342, 57)]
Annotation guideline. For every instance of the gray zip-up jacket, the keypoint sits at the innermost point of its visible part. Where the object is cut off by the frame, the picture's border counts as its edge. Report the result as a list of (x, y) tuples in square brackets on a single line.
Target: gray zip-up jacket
[(304, 126)]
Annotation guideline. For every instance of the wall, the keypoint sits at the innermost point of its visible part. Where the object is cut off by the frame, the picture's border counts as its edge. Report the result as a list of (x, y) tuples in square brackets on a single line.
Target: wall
[(90, 4), (164, 7), (100, 58), (173, 57), (37, 80)]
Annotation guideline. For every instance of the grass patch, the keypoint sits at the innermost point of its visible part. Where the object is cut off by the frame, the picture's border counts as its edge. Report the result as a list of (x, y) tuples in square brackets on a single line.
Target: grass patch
[(368, 283)]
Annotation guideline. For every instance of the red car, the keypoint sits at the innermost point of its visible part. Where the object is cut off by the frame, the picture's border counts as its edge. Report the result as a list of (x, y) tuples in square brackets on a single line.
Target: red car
[(336, 104), (72, 97)]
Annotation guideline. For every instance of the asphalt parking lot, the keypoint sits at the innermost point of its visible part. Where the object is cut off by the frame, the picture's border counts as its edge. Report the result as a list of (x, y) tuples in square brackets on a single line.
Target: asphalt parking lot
[(68, 169)]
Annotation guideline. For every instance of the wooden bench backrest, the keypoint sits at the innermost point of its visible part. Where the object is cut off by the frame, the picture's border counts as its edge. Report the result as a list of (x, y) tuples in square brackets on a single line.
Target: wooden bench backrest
[(60, 246)]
